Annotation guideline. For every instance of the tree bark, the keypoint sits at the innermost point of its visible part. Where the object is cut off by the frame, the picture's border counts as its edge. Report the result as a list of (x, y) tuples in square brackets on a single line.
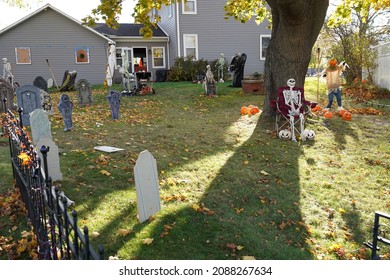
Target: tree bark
[(295, 28)]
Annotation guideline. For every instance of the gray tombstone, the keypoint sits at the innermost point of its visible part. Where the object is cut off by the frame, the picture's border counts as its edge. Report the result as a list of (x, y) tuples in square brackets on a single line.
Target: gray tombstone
[(146, 184), (40, 125), (83, 88), (114, 98), (53, 158), (66, 108), (6, 91), (41, 83), (28, 98)]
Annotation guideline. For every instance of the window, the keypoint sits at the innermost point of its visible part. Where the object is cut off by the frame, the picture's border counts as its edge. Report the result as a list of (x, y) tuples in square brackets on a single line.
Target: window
[(81, 55), (23, 55), (191, 45), (170, 10), (189, 7), (158, 57), (264, 43)]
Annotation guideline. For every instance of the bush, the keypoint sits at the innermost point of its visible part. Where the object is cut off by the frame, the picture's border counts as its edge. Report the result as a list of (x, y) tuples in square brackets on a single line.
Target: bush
[(186, 69)]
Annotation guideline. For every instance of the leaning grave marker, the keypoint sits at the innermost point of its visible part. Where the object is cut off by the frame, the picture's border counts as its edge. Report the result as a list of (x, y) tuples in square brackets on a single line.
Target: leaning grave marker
[(28, 98)]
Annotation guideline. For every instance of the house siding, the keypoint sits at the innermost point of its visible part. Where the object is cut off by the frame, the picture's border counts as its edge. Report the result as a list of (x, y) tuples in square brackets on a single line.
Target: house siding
[(217, 35), (168, 24), (52, 36)]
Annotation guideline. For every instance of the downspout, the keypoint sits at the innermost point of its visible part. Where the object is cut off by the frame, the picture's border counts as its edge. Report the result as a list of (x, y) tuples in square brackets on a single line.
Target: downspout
[(178, 29)]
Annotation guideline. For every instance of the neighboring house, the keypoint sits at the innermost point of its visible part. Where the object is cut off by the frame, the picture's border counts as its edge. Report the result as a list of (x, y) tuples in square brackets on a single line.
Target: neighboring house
[(382, 71), (50, 34), (199, 28), (196, 28)]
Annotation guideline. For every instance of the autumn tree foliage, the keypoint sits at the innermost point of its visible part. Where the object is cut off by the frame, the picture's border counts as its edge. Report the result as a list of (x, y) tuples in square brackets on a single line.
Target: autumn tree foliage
[(295, 28)]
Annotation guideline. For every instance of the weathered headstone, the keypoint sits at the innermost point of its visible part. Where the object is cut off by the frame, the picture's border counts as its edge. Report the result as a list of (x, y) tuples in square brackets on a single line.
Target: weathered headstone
[(146, 184), (28, 98), (114, 98), (53, 158), (66, 108), (40, 82), (40, 125), (83, 88), (6, 91)]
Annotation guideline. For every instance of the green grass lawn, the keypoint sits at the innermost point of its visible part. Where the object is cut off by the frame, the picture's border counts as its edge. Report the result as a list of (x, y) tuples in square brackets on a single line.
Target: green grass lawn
[(229, 188)]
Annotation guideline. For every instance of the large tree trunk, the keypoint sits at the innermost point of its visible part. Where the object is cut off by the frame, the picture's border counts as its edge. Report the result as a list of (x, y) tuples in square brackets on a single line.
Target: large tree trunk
[(295, 28)]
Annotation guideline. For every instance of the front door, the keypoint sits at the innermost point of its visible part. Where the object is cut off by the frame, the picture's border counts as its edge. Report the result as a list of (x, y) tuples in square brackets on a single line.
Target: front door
[(140, 60)]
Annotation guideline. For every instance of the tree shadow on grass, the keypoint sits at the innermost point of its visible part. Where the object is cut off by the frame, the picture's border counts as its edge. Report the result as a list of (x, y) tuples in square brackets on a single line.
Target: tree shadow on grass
[(251, 208)]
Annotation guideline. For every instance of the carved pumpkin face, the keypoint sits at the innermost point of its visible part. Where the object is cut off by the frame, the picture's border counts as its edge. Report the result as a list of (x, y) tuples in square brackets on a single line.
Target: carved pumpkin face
[(285, 134), (309, 134), (347, 116), (328, 115)]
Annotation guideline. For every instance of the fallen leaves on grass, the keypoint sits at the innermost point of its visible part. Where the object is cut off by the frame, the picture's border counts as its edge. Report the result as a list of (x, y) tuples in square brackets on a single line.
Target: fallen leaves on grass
[(147, 241)]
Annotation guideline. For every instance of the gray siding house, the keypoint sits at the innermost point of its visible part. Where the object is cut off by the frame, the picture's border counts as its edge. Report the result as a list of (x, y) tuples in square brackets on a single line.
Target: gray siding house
[(49, 34), (198, 28)]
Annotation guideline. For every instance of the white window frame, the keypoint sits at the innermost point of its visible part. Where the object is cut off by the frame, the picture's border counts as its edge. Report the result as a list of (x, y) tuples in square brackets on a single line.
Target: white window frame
[(163, 57), (261, 45), (196, 44), (170, 10), (183, 6), (17, 56)]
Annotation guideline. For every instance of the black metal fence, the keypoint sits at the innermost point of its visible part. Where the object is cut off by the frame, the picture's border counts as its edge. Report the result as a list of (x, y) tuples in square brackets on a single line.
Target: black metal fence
[(56, 230), (378, 234)]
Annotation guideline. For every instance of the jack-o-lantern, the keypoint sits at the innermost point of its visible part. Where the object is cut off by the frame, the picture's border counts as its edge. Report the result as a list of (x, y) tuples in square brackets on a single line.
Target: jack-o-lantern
[(328, 115), (309, 134), (285, 134), (243, 110), (347, 116)]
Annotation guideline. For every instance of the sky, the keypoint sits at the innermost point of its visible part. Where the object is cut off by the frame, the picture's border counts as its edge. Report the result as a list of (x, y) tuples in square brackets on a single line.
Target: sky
[(77, 9)]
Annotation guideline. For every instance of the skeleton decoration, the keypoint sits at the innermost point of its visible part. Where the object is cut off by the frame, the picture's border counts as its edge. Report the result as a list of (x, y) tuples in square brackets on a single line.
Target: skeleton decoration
[(293, 98)]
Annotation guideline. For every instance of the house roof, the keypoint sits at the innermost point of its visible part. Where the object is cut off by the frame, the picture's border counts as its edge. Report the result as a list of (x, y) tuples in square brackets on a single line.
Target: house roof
[(127, 30), (43, 9)]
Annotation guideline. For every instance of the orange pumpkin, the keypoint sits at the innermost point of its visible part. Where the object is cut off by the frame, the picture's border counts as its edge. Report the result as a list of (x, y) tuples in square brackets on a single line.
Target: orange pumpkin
[(347, 116), (316, 108), (328, 115), (341, 112), (243, 110), (254, 110)]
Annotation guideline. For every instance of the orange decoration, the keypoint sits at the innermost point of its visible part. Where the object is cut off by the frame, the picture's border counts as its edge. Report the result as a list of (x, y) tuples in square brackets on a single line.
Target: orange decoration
[(342, 111), (243, 110), (316, 108), (347, 116), (254, 110), (328, 115)]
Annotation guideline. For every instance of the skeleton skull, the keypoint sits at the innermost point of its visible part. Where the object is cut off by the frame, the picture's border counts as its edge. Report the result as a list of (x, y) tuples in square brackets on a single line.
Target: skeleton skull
[(309, 134), (291, 82), (285, 134)]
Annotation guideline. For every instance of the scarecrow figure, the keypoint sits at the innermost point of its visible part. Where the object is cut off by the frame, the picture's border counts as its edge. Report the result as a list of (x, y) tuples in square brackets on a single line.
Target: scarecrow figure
[(333, 84)]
